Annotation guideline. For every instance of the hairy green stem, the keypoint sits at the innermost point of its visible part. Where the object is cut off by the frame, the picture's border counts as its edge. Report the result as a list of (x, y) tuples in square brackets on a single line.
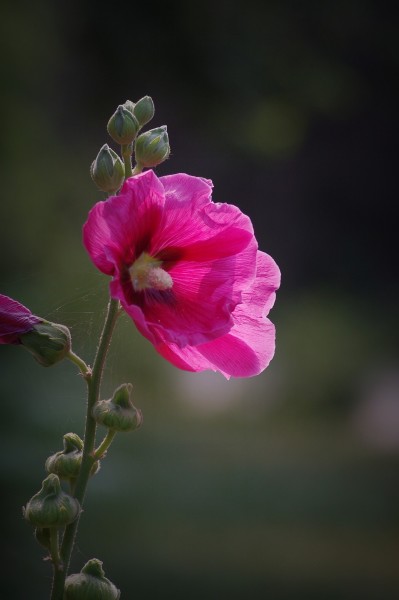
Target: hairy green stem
[(105, 444), (93, 380), (126, 151), (80, 363), (54, 548), (137, 169)]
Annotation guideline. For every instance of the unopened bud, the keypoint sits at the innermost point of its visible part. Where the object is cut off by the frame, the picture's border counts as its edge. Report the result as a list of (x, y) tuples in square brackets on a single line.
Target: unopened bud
[(144, 110), (123, 126), (48, 342), (107, 171), (90, 584), (66, 463), (118, 413), (152, 147), (51, 507), (129, 105)]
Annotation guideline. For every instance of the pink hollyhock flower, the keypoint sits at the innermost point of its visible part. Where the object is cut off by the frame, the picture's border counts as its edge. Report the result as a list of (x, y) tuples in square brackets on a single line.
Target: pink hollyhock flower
[(15, 320), (188, 272)]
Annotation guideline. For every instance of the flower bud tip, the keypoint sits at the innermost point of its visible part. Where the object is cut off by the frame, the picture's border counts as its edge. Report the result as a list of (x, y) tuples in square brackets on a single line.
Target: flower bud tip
[(123, 126), (107, 170), (90, 584), (152, 147), (144, 110)]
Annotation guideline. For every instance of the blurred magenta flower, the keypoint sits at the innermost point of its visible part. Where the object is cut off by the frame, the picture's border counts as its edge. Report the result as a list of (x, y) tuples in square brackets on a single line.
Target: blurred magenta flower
[(188, 272), (15, 320)]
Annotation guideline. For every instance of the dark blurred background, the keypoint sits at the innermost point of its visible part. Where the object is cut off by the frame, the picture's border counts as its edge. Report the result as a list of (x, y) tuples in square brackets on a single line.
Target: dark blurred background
[(283, 486)]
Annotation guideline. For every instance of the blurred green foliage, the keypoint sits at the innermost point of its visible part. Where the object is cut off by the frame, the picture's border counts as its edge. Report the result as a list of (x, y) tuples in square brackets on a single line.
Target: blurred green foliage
[(282, 486)]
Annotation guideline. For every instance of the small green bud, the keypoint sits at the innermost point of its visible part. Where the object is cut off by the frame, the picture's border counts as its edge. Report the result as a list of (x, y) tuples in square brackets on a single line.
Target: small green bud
[(129, 105), (152, 147), (107, 171), (118, 413), (66, 463), (48, 342), (144, 110), (90, 584), (51, 507), (123, 126)]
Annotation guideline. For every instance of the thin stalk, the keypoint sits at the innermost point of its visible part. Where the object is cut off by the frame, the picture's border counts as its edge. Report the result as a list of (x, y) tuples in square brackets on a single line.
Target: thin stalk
[(54, 548), (93, 383), (105, 444), (79, 362), (127, 151), (137, 169)]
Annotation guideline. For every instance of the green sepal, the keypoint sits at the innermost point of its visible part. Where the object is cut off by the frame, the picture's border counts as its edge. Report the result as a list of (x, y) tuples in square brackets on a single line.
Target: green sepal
[(129, 105), (152, 147), (51, 506), (90, 584), (48, 342), (66, 463), (144, 110), (107, 170), (123, 126), (118, 413)]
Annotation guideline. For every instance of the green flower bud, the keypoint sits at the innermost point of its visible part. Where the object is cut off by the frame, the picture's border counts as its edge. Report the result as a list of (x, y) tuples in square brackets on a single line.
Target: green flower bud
[(144, 110), (118, 413), (66, 463), (48, 342), (51, 507), (152, 147), (123, 126), (129, 105), (90, 584), (107, 171)]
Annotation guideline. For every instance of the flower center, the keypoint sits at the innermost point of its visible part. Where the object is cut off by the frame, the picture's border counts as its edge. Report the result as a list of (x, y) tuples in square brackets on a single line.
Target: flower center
[(146, 273)]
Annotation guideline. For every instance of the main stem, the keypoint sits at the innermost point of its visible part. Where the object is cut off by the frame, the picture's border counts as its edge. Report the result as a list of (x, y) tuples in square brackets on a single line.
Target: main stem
[(93, 384)]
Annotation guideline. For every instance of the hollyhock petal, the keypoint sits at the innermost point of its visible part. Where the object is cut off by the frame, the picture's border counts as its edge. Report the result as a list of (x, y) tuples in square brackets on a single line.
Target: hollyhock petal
[(181, 187), (134, 311), (261, 295), (119, 229), (15, 319), (244, 353), (191, 222), (248, 347)]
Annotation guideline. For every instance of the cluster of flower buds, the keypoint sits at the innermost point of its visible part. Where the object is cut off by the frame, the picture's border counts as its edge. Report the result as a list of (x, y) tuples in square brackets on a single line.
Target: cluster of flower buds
[(150, 148)]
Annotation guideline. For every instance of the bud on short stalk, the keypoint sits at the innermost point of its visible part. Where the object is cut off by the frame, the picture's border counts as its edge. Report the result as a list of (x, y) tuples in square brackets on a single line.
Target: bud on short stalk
[(152, 147), (90, 584), (144, 110), (48, 342), (107, 170), (66, 463), (129, 105), (123, 126), (51, 507), (118, 413)]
